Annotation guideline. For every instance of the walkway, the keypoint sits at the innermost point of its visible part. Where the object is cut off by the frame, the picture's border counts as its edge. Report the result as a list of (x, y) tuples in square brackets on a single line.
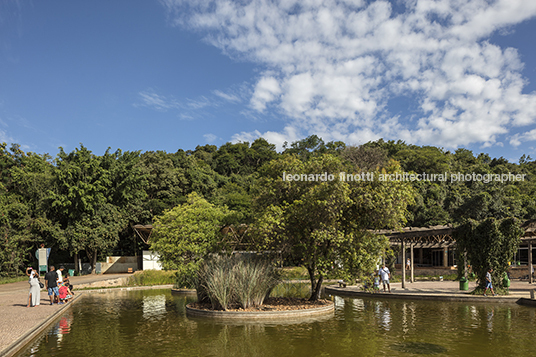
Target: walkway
[(438, 290), (16, 320)]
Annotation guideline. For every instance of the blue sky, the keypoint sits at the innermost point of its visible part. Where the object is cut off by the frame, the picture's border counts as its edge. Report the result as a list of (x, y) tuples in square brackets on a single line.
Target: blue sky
[(170, 74)]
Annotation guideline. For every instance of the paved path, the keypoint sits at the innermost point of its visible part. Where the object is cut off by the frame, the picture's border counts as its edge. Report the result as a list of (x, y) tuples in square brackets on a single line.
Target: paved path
[(16, 319), (436, 290)]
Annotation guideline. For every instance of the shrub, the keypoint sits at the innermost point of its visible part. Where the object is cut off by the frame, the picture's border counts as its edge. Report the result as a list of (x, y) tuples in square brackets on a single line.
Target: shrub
[(186, 276), (235, 280)]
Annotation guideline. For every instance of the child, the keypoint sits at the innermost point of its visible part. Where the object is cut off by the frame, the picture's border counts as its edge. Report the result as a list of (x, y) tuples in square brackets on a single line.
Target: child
[(488, 283), (376, 287), (65, 294)]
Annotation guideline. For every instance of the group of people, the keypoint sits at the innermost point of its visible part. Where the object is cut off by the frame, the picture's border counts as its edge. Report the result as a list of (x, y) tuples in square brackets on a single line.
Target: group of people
[(384, 274), (380, 276), (56, 282)]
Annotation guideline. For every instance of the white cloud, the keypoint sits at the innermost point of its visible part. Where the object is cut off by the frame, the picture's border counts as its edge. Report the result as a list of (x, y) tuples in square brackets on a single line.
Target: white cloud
[(210, 138), (266, 91), (288, 135), (227, 96), (5, 138), (518, 139), (331, 66), (192, 108), (159, 102)]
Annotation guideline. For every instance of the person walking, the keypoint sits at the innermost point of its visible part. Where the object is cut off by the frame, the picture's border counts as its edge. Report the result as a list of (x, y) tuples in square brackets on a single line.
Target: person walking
[(51, 283), (488, 283), (408, 264), (385, 275), (34, 296)]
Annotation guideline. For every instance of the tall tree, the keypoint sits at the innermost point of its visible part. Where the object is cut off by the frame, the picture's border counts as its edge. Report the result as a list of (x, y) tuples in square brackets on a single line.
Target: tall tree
[(322, 222), (185, 234), (489, 244), (82, 204), (24, 208), (164, 184)]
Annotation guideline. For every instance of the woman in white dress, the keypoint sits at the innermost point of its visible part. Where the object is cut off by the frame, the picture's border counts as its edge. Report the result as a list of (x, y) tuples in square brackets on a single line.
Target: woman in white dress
[(34, 297)]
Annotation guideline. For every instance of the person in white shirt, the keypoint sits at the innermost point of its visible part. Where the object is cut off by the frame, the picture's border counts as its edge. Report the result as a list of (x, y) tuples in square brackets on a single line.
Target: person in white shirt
[(385, 274), (60, 277)]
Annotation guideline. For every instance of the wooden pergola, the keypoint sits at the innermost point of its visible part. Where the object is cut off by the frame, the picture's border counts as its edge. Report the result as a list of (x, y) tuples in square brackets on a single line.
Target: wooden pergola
[(144, 232), (442, 237), (529, 238), (419, 237)]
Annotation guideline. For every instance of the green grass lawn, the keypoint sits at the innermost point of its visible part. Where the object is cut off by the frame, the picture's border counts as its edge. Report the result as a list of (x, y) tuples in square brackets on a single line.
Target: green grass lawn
[(152, 277), (294, 273), (7, 280)]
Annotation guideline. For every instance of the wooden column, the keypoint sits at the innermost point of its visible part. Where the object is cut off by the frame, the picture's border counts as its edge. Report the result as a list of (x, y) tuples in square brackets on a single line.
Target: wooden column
[(446, 257), (411, 261), (465, 264), (531, 279), (403, 264)]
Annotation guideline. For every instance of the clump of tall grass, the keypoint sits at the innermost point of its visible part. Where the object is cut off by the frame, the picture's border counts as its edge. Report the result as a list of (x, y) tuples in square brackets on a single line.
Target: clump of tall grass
[(235, 280), (254, 279)]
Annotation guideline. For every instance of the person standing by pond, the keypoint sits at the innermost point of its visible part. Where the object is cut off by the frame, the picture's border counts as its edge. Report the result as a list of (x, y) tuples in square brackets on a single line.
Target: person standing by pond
[(51, 283), (60, 274), (488, 283), (34, 297), (385, 275)]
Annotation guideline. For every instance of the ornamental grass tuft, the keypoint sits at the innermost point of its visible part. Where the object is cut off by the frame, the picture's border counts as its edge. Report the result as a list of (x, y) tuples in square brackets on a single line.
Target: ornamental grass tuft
[(235, 280)]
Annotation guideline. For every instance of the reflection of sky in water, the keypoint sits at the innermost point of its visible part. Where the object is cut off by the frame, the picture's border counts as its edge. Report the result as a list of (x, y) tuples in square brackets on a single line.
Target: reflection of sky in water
[(338, 302), (154, 307), (383, 312), (490, 319)]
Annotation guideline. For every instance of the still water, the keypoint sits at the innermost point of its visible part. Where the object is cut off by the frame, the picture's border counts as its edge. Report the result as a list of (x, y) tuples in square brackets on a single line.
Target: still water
[(154, 323)]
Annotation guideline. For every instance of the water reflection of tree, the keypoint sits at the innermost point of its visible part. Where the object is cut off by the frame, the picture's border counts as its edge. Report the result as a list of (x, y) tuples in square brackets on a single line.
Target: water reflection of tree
[(114, 323)]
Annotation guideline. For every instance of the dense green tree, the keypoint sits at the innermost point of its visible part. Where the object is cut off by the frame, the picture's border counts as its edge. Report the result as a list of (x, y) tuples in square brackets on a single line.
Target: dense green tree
[(164, 184), (365, 158), (15, 234), (312, 146), (186, 234), (81, 198), (24, 222), (323, 223), (489, 244)]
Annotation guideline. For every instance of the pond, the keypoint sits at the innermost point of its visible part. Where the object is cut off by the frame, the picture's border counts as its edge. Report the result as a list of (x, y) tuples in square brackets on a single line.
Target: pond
[(154, 323)]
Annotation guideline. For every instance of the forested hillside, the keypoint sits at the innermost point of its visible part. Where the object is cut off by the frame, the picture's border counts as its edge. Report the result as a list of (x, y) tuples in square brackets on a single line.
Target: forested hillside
[(83, 204)]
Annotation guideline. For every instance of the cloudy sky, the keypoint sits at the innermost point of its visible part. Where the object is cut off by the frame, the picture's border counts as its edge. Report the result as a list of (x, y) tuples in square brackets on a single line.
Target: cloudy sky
[(169, 74)]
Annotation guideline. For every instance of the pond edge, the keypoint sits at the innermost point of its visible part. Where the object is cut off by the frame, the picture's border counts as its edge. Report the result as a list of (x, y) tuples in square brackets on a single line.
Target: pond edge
[(265, 315), (30, 335), (334, 290)]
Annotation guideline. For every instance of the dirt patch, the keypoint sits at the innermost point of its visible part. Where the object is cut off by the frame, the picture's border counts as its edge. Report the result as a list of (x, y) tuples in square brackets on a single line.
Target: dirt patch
[(272, 304)]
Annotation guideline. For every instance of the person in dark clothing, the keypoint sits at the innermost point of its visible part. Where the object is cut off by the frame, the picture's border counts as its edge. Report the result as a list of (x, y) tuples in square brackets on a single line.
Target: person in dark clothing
[(51, 283)]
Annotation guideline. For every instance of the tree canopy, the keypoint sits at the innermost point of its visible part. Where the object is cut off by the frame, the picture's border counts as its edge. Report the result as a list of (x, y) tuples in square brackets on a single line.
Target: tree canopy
[(325, 223), (83, 204)]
